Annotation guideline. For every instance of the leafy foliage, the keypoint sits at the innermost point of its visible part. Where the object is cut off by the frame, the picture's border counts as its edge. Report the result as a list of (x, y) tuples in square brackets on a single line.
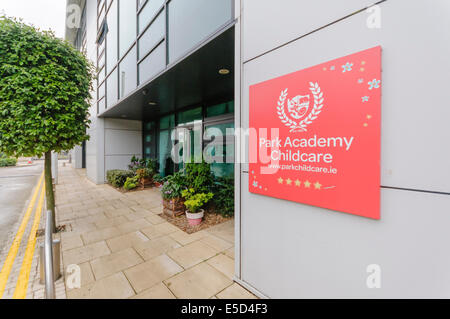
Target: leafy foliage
[(173, 186), (144, 173), (45, 88), (131, 183), (199, 177), (224, 196), (195, 201), (117, 177), (137, 164), (158, 178), (7, 161)]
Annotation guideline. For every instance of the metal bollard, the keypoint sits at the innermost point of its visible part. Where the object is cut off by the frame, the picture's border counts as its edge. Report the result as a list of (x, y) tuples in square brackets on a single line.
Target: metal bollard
[(56, 261)]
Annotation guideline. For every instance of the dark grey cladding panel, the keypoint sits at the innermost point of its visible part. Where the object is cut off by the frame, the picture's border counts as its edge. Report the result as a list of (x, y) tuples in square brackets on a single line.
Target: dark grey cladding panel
[(191, 81)]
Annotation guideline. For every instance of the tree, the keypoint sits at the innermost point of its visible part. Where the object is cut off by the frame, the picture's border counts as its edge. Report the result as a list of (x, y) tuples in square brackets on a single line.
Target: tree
[(45, 86)]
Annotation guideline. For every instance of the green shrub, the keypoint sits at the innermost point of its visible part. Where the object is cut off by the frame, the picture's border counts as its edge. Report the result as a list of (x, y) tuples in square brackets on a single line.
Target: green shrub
[(137, 163), (158, 178), (195, 201), (199, 177), (173, 186), (224, 196), (117, 177), (131, 183), (7, 161), (144, 173)]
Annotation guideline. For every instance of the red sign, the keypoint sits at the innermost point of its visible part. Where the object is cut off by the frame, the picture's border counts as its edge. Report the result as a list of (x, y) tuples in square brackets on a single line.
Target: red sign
[(318, 135)]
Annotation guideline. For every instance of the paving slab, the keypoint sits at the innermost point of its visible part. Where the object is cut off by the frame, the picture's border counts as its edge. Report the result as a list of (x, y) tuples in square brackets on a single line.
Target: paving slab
[(152, 272), (113, 287), (125, 250), (113, 263), (160, 291), (200, 282), (236, 291), (192, 254)]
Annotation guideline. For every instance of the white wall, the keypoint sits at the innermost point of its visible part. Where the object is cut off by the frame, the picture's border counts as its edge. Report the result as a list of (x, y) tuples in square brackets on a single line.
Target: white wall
[(77, 157), (123, 140), (290, 250)]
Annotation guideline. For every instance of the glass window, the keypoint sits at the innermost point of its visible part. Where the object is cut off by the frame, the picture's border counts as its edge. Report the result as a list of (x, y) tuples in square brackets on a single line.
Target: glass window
[(222, 169), (152, 35), (220, 152), (220, 109), (166, 164), (154, 63), (111, 89), (148, 13), (167, 122), (128, 73), (127, 25), (149, 126), (190, 116), (225, 128), (149, 140), (111, 38), (192, 21)]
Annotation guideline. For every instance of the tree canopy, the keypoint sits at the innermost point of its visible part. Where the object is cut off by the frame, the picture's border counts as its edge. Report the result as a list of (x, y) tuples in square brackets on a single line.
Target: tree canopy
[(45, 86)]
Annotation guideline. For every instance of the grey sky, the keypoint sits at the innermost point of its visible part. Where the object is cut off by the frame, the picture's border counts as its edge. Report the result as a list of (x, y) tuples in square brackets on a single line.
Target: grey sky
[(45, 14)]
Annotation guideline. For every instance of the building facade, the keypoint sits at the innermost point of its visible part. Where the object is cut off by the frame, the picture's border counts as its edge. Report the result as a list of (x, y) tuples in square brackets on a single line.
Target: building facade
[(160, 65), (168, 64)]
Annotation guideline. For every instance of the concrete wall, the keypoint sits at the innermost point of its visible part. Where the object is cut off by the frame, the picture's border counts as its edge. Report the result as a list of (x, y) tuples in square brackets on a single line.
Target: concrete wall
[(123, 140), (77, 157), (289, 250)]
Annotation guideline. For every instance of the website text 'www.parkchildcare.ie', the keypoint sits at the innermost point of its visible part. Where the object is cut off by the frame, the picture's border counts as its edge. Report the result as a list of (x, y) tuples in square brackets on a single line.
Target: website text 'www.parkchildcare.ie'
[(304, 168)]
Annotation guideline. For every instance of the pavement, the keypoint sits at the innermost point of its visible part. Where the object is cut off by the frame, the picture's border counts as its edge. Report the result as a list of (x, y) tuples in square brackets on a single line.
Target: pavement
[(117, 247)]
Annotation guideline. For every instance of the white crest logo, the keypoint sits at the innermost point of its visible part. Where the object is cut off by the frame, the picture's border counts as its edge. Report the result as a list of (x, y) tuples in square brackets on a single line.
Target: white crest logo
[(298, 107)]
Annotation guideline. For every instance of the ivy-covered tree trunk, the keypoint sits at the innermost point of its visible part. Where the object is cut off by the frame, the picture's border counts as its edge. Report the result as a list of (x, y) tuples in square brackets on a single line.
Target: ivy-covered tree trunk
[(50, 195)]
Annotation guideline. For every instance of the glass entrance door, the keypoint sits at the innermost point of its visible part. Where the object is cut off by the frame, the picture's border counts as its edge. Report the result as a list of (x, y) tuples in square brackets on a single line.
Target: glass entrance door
[(190, 143)]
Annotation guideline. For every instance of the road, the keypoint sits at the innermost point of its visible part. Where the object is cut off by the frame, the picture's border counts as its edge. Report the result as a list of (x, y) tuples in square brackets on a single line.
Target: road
[(16, 185)]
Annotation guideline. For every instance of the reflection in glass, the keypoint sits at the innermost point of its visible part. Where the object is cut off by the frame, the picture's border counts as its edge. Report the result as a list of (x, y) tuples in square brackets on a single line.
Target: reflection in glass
[(192, 21)]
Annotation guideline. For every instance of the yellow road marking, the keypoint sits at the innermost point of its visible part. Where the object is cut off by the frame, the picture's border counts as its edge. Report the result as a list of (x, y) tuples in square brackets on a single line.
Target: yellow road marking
[(9, 261), (22, 283)]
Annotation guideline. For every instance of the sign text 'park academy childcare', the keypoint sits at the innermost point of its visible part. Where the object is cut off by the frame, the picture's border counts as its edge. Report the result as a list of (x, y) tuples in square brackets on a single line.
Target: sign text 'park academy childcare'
[(318, 135)]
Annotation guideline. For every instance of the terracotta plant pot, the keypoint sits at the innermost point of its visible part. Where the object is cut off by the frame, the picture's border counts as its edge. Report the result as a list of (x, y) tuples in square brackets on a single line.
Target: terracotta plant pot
[(195, 219), (173, 207), (146, 182)]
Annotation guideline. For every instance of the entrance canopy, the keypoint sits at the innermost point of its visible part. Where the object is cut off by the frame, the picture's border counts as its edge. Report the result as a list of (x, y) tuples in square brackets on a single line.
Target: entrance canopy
[(205, 76)]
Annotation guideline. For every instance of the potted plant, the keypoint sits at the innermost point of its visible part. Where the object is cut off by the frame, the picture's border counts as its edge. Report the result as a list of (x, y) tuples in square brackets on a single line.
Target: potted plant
[(144, 176), (171, 192), (194, 204), (158, 180)]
